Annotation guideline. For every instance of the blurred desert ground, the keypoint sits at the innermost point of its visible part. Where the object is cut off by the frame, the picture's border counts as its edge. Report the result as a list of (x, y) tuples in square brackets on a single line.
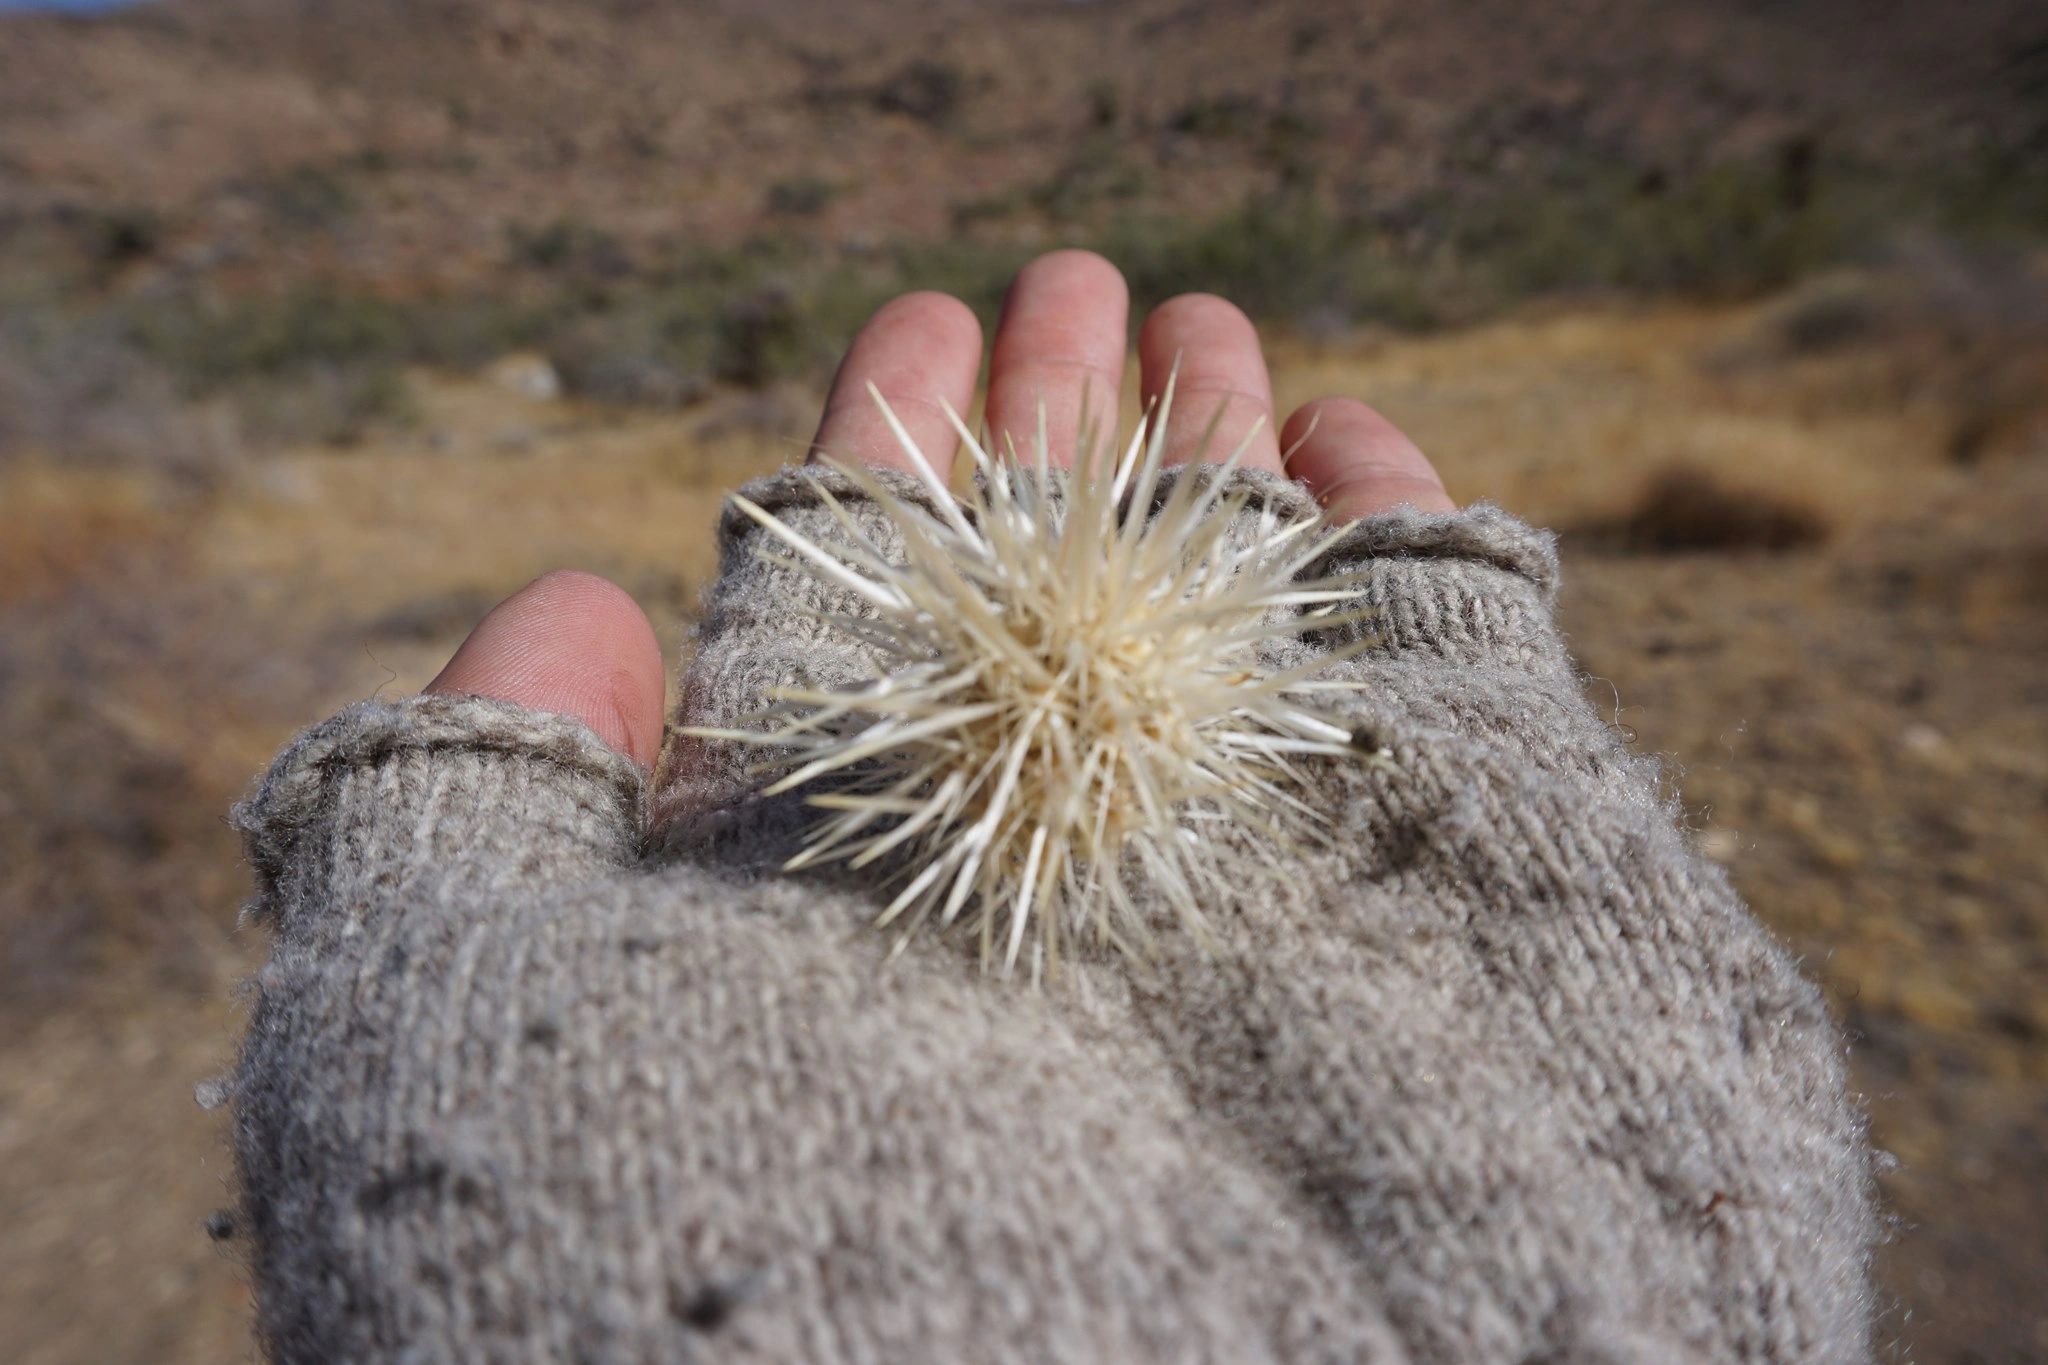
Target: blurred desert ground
[(323, 326)]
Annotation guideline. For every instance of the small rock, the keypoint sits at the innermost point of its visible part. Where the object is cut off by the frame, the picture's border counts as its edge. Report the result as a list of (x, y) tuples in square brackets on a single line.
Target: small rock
[(1925, 744), (529, 376)]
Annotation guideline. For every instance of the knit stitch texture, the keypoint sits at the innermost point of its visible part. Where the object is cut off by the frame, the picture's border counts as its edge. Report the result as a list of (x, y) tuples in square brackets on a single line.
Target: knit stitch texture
[(550, 1062)]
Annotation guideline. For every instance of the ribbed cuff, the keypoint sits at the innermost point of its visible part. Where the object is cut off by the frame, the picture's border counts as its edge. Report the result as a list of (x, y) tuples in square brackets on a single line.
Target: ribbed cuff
[(494, 790), (1461, 586), (799, 489), (1480, 534)]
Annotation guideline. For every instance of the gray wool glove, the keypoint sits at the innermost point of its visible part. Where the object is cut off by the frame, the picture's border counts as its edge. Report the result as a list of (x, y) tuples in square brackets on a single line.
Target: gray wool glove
[(547, 1065)]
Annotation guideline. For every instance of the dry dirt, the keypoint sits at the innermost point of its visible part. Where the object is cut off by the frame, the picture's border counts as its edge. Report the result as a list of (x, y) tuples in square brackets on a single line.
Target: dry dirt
[(1856, 724)]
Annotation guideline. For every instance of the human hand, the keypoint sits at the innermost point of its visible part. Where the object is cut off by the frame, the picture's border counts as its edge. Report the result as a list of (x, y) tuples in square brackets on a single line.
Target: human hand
[(578, 645)]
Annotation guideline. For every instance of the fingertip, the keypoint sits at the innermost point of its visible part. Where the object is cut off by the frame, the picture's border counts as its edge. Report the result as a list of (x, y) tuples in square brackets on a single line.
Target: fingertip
[(1198, 309), (921, 352), (1357, 463), (1058, 352), (942, 318), (1209, 349), (1074, 268)]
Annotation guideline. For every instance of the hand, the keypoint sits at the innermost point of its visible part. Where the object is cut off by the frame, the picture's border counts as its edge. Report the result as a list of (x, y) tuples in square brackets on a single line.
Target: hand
[(577, 645)]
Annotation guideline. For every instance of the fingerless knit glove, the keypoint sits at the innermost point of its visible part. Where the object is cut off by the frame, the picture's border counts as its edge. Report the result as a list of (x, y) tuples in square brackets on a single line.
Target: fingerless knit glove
[(549, 1063)]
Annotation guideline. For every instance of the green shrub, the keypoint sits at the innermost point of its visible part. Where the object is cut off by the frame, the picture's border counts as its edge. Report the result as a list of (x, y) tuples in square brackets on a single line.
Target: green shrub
[(1218, 116), (801, 196), (1105, 103), (926, 90), (211, 339), (1099, 170), (307, 196), (336, 407), (120, 235), (660, 330), (568, 244), (637, 357)]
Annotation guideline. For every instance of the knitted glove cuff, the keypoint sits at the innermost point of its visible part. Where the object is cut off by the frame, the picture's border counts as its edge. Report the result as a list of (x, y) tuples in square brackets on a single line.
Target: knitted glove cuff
[(433, 775)]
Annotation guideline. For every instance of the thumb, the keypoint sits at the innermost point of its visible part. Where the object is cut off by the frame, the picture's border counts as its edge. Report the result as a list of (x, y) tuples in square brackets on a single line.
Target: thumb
[(573, 644)]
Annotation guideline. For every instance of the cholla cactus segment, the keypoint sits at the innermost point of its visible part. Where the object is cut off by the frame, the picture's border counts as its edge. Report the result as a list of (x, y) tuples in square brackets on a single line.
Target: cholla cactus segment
[(1066, 699)]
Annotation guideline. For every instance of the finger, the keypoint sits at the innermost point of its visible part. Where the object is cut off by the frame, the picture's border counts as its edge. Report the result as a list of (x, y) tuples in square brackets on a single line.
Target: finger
[(573, 644), (1222, 379), (921, 351), (1061, 343), (1357, 463)]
